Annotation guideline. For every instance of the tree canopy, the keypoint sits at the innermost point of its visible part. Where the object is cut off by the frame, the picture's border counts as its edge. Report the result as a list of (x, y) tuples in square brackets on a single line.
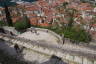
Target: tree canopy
[(2, 23), (23, 24)]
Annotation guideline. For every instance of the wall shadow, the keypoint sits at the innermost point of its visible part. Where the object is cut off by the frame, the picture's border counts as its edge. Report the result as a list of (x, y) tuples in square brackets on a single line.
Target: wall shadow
[(12, 52), (54, 60), (7, 49), (8, 54)]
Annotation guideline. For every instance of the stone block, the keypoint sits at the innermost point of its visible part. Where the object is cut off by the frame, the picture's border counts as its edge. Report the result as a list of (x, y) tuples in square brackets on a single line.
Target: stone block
[(94, 62), (69, 57), (84, 60), (78, 59), (90, 62)]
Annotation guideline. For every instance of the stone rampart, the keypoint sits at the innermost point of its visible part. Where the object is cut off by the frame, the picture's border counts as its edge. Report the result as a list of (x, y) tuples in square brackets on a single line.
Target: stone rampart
[(71, 57), (51, 32)]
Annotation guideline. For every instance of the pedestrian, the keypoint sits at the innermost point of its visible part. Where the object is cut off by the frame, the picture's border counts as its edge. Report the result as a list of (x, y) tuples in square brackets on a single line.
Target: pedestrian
[(17, 48), (36, 32), (47, 31), (31, 30), (63, 38), (11, 33)]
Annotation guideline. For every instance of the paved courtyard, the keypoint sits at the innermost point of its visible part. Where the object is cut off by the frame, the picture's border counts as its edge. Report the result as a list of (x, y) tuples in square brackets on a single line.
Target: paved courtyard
[(40, 36)]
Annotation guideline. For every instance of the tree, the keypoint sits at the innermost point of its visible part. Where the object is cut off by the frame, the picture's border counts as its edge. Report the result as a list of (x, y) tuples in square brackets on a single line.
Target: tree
[(5, 4), (27, 21), (8, 16), (23, 24), (75, 35), (70, 12), (2, 23), (65, 4)]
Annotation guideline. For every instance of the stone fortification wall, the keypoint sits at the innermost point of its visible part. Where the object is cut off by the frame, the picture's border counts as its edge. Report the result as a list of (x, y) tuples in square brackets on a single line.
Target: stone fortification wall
[(49, 31), (71, 57)]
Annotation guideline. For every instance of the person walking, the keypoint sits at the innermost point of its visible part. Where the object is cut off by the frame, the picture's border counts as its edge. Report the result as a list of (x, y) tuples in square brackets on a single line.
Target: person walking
[(16, 47), (63, 39)]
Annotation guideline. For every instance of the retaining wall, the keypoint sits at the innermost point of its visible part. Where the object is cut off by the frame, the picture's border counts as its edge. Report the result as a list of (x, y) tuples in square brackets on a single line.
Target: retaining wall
[(51, 32), (75, 59)]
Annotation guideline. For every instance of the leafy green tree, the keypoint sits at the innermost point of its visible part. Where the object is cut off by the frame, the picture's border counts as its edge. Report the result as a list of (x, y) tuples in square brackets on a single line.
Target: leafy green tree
[(79, 35), (27, 21), (23, 24), (65, 4), (70, 12), (2, 23)]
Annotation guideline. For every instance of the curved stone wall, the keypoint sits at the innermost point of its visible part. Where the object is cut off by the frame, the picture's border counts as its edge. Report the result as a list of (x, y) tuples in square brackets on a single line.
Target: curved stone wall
[(50, 50), (51, 32)]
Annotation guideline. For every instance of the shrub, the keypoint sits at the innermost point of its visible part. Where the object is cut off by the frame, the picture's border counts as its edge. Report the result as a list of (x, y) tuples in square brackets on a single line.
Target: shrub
[(79, 36), (21, 25), (2, 23)]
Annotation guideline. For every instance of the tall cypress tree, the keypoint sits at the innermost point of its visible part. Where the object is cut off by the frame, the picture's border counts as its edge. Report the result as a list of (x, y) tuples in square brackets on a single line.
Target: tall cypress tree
[(8, 16), (27, 20)]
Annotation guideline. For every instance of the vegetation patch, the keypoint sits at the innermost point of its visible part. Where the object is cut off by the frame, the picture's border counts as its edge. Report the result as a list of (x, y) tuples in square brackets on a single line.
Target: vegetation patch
[(2, 23), (23, 24)]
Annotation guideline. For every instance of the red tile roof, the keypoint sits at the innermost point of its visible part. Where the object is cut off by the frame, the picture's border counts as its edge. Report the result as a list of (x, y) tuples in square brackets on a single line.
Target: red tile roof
[(42, 3), (32, 8), (18, 18)]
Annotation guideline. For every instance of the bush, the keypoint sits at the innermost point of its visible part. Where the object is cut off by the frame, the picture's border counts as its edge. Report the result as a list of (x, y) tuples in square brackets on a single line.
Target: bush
[(79, 36), (2, 23)]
